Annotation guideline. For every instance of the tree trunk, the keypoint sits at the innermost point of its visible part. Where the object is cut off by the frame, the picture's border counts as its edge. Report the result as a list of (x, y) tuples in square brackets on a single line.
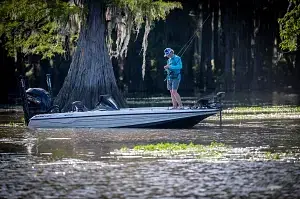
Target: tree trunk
[(256, 54), (297, 65), (238, 72), (228, 52), (220, 46), (205, 42), (209, 84), (216, 40), (198, 49), (91, 72), (241, 49)]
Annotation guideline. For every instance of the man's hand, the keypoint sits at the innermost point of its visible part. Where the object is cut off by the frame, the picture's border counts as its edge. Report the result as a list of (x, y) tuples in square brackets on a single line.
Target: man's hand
[(166, 66)]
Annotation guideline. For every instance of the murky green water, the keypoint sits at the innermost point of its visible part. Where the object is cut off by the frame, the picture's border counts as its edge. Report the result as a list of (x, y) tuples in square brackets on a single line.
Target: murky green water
[(79, 163)]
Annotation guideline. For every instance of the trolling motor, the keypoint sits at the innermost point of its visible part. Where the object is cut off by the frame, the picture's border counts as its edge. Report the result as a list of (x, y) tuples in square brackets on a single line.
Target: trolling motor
[(211, 102)]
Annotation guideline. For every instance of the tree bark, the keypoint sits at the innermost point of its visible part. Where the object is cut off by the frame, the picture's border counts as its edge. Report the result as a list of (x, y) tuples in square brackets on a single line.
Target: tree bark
[(228, 52), (209, 83), (198, 49), (91, 72), (240, 51), (220, 43), (297, 65), (256, 53), (216, 40)]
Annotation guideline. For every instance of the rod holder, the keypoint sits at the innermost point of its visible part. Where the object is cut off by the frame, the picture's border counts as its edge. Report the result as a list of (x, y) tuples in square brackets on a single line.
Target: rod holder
[(48, 78), (24, 100)]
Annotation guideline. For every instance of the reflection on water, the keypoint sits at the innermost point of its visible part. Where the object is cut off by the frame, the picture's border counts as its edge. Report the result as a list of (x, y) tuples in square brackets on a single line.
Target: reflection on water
[(77, 163)]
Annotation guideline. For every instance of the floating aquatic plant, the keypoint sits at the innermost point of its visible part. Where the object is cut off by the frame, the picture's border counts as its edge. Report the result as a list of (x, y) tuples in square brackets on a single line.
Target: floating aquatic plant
[(12, 124), (264, 109), (272, 156), (213, 151)]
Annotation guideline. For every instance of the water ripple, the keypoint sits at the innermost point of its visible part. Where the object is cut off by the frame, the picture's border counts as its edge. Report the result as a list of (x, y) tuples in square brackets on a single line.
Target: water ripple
[(79, 163)]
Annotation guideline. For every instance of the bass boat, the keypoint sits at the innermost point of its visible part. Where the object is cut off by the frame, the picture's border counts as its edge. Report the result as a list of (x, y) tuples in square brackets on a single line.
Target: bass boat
[(40, 113)]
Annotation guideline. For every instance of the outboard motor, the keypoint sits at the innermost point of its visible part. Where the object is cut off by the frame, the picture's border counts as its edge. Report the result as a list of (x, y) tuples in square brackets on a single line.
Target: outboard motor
[(35, 101), (39, 101), (107, 103), (211, 102)]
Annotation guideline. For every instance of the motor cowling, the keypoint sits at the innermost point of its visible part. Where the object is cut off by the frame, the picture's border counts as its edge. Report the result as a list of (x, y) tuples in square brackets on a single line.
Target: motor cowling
[(39, 101)]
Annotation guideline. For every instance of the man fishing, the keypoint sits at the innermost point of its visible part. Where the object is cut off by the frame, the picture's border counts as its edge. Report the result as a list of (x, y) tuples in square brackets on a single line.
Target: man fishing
[(173, 68)]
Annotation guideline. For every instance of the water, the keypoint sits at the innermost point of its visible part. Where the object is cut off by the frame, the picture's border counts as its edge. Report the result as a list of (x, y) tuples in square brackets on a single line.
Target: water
[(79, 163)]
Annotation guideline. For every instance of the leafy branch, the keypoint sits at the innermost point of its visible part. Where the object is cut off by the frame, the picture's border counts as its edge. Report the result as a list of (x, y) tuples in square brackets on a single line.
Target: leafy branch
[(290, 27)]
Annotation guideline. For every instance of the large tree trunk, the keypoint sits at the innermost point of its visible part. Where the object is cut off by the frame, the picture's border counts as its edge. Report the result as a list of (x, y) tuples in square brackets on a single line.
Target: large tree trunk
[(91, 72)]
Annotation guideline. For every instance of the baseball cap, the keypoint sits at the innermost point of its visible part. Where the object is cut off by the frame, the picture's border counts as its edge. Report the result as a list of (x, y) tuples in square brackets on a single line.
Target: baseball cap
[(167, 51)]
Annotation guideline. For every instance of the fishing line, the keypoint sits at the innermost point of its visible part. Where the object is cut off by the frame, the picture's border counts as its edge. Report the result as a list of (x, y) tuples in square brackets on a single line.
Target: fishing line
[(190, 41)]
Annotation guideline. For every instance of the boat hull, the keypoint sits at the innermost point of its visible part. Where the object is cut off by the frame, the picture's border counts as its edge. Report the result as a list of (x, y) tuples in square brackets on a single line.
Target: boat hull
[(157, 117)]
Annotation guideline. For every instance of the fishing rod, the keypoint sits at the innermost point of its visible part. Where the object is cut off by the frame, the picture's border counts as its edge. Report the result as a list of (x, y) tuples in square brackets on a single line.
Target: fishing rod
[(186, 46), (189, 42)]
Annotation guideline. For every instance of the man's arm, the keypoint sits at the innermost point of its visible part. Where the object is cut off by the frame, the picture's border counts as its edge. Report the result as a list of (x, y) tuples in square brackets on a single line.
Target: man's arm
[(176, 64)]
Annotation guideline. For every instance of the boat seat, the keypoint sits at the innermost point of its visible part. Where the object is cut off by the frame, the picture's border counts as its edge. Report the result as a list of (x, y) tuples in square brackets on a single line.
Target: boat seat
[(78, 106)]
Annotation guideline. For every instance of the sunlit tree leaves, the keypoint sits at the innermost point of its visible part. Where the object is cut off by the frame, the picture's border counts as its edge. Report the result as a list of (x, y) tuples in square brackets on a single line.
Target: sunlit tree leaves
[(290, 27), (35, 27)]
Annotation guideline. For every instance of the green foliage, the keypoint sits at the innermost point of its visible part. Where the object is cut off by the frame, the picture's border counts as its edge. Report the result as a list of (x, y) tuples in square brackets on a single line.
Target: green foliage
[(177, 146), (40, 27), (145, 12), (124, 149), (34, 26), (148, 9), (213, 151), (161, 146), (265, 109), (272, 156), (290, 27)]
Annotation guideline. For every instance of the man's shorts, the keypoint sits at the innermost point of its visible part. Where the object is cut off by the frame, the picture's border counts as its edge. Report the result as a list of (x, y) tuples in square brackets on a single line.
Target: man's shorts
[(173, 84)]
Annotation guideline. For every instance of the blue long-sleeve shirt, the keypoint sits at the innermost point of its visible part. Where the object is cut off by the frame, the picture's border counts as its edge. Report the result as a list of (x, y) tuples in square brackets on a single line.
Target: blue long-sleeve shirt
[(175, 65)]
